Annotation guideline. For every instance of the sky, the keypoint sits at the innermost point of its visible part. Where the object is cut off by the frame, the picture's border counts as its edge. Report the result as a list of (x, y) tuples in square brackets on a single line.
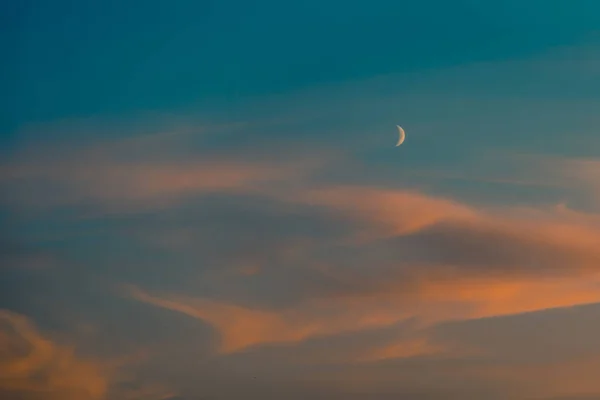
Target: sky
[(202, 200)]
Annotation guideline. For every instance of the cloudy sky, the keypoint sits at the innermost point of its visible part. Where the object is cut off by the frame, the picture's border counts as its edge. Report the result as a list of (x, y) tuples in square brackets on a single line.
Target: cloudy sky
[(202, 200)]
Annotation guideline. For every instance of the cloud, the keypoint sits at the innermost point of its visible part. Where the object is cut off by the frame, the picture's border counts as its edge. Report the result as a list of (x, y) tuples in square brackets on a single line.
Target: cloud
[(443, 260), (463, 235), (583, 172), (404, 349), (139, 184), (241, 327), (33, 367), (394, 212), (571, 179), (146, 171)]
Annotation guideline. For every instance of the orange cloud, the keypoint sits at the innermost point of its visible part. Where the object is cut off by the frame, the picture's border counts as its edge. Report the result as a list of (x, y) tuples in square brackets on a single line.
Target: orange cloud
[(394, 212), (33, 367), (479, 298), (140, 184), (473, 264), (408, 348), (142, 171), (241, 327), (430, 302), (569, 237)]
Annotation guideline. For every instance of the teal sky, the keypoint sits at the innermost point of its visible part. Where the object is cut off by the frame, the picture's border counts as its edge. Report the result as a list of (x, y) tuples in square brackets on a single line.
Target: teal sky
[(98, 58), (202, 200)]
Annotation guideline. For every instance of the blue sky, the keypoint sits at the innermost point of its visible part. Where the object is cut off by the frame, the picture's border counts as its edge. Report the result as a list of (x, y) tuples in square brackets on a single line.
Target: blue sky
[(203, 200), (100, 58)]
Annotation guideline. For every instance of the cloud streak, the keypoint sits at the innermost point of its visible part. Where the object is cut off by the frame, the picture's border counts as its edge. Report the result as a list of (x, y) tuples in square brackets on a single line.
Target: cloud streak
[(444, 261), (133, 174)]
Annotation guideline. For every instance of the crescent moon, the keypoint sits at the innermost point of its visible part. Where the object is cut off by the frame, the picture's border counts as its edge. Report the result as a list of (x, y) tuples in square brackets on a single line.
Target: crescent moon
[(402, 135)]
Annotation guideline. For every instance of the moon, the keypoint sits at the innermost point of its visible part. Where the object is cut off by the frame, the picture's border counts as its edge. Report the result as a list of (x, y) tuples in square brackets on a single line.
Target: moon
[(402, 135)]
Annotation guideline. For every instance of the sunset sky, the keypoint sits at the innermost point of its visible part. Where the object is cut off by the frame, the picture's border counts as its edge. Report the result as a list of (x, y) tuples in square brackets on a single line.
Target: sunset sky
[(201, 200)]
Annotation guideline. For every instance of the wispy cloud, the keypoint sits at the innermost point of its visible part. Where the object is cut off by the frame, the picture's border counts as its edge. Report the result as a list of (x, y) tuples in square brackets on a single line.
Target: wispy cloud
[(445, 261), (583, 173), (34, 367), (146, 171)]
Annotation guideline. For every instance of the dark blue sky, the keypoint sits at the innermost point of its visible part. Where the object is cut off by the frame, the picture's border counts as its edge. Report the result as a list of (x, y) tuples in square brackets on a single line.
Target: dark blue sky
[(68, 59)]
